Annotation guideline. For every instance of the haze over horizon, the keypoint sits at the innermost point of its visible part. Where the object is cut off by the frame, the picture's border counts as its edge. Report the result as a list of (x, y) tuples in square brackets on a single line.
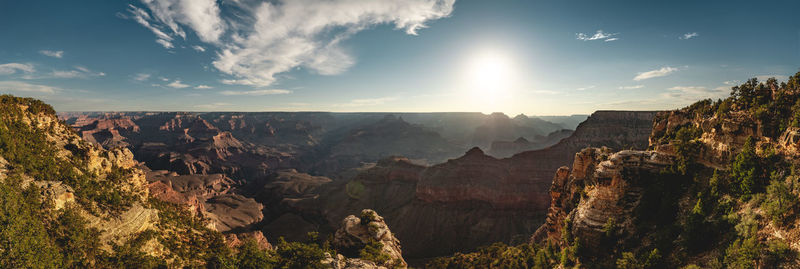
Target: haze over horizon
[(531, 57)]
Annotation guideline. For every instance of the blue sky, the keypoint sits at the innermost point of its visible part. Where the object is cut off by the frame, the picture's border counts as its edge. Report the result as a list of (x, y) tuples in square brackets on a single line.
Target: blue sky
[(532, 57)]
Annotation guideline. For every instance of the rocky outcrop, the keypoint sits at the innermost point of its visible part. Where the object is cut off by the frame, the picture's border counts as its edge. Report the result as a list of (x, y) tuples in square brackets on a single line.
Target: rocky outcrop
[(601, 188), (236, 240), (720, 135), (355, 233), (105, 131)]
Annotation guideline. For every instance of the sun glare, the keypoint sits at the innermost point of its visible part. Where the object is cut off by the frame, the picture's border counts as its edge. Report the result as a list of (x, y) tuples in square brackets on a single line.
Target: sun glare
[(489, 79)]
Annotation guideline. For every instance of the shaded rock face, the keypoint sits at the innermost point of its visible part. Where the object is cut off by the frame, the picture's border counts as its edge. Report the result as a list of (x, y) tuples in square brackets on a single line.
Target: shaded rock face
[(613, 129), (479, 177), (357, 232), (504, 149), (613, 185), (232, 211), (499, 127), (386, 137), (427, 228)]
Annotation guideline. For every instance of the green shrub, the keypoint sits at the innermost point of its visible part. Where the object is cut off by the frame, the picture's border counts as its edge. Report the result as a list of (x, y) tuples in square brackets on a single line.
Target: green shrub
[(779, 201), (745, 173)]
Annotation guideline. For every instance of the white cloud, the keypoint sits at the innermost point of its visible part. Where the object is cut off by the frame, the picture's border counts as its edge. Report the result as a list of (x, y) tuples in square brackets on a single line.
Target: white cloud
[(202, 16), (256, 92), (599, 35), (269, 38), (66, 74), (655, 73), (689, 89), (166, 44), (731, 82), (142, 17), (11, 68), (203, 87), (694, 93), (52, 53), (141, 77), (689, 36), (78, 72), (631, 87), (585, 88), (177, 84), (199, 48), (19, 86)]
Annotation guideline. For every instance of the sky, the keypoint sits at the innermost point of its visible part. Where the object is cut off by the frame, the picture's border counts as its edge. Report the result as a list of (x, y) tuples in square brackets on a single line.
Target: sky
[(513, 56)]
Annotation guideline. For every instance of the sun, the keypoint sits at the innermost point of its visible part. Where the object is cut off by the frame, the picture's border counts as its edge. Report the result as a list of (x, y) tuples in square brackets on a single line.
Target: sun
[(489, 71), (489, 78)]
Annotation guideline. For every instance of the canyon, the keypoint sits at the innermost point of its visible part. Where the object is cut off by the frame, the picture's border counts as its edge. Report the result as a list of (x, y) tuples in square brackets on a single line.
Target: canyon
[(287, 174)]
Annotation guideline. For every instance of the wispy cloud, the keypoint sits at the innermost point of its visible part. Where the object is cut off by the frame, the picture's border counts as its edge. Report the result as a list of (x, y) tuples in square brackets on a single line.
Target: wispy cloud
[(731, 82), (203, 87), (177, 84), (252, 50), (52, 53), (142, 17), (631, 87), (256, 92), (664, 71), (11, 68), (599, 35), (20, 86), (78, 72), (689, 89), (689, 36), (166, 44), (585, 88), (141, 77), (694, 93), (199, 48)]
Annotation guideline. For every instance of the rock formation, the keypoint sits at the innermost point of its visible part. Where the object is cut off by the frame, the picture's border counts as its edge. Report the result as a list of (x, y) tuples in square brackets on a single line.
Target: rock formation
[(368, 230)]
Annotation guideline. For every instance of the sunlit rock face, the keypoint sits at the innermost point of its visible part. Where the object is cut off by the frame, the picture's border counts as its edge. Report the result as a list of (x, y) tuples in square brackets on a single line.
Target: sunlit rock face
[(601, 187), (355, 233)]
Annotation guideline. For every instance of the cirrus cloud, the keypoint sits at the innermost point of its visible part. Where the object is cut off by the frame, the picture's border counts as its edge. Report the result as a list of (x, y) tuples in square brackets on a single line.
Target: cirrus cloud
[(689, 36), (177, 84), (52, 53), (268, 38), (11, 68), (599, 35), (19, 86), (631, 87), (664, 71)]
